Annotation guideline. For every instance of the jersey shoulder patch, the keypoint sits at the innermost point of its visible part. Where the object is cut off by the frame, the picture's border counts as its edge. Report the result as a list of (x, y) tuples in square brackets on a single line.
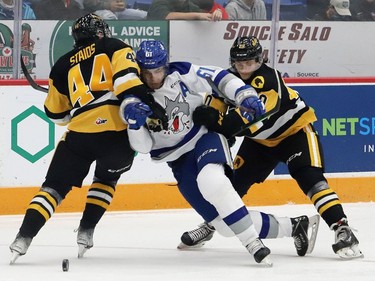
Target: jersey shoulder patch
[(179, 66), (264, 79)]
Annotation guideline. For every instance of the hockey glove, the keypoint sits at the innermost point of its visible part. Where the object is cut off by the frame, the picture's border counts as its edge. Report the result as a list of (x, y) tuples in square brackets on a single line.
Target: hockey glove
[(158, 112), (252, 106), (135, 114), (206, 116)]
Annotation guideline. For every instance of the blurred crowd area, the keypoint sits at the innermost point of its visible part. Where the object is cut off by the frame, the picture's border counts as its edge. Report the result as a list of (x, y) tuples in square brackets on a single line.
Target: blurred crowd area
[(290, 10)]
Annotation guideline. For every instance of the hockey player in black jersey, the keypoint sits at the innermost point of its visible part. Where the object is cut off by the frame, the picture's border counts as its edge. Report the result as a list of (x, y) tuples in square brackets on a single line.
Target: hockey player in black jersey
[(287, 136), (86, 87)]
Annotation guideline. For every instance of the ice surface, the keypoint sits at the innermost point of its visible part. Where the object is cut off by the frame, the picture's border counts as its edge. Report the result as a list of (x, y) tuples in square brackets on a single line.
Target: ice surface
[(141, 245)]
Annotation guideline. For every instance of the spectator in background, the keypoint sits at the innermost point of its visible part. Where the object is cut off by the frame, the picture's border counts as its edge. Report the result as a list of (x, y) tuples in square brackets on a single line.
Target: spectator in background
[(57, 9), (105, 9), (218, 11), (113, 9), (316, 8), (363, 10), (338, 10), (180, 10), (7, 10), (246, 10), (131, 14)]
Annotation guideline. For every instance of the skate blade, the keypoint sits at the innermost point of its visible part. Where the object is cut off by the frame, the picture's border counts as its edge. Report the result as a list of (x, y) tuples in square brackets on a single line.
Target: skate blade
[(81, 250), (267, 262), (350, 253), (313, 227), (15, 256), (183, 246)]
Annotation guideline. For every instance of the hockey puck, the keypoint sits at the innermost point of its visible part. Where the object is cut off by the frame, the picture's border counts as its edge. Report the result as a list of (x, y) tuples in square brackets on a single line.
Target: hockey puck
[(65, 265)]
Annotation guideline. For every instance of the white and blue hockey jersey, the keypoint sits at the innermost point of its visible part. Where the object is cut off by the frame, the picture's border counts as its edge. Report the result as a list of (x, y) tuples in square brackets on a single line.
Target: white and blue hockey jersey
[(185, 88)]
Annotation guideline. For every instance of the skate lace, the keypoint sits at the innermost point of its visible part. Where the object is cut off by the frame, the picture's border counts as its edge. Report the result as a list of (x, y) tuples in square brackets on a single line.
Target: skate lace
[(85, 236), (254, 246), (20, 244), (344, 233), (297, 242), (297, 236), (199, 233)]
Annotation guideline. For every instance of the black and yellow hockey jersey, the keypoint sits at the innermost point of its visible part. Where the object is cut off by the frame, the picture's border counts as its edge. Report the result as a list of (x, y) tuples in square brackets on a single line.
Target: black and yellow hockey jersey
[(293, 114), (87, 85)]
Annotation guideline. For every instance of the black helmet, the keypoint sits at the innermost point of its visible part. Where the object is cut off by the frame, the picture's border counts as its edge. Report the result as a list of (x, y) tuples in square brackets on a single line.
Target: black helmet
[(89, 27), (246, 48)]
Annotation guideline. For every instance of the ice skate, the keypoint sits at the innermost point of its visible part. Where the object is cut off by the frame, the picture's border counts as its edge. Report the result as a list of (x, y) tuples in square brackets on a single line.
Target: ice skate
[(301, 227), (260, 252), (196, 238), (19, 247), (346, 244), (85, 240)]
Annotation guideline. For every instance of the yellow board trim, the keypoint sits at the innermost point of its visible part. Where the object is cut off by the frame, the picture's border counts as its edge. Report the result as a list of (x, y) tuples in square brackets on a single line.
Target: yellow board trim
[(166, 195)]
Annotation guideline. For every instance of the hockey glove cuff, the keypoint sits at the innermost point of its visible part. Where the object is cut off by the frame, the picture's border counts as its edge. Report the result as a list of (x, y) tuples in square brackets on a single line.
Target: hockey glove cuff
[(252, 106), (134, 112)]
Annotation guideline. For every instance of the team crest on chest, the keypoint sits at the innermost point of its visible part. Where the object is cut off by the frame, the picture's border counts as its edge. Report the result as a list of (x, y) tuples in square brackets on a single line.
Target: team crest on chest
[(178, 112), (258, 82)]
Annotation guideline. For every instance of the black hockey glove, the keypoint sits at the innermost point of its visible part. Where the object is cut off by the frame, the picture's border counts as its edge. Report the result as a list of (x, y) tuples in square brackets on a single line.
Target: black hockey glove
[(206, 116), (159, 114)]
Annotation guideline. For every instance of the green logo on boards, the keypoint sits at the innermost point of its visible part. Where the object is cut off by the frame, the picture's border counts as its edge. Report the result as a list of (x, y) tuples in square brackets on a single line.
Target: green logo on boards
[(131, 32), (19, 130), (6, 50)]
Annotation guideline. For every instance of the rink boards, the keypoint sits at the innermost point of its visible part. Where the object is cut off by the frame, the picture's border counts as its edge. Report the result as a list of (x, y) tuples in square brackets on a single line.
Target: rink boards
[(346, 125)]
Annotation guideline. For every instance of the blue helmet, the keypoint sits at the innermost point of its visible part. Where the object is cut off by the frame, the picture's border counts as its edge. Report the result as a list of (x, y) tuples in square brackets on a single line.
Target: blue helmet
[(152, 54)]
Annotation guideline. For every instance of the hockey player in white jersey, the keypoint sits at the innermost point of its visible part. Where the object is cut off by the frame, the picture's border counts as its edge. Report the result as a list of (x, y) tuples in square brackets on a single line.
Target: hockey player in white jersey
[(200, 160)]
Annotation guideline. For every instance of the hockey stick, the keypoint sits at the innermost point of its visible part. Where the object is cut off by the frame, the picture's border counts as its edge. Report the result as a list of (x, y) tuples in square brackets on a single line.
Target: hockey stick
[(254, 121), (30, 79)]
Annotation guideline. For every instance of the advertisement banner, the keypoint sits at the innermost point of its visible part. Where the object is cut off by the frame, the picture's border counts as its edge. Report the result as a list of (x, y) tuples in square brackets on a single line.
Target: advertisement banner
[(43, 42), (28, 139), (304, 49), (346, 125)]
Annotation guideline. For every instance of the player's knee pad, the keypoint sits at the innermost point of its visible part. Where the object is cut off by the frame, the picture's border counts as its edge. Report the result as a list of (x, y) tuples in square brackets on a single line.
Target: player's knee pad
[(212, 182), (316, 188), (52, 192), (307, 177), (217, 189), (112, 182)]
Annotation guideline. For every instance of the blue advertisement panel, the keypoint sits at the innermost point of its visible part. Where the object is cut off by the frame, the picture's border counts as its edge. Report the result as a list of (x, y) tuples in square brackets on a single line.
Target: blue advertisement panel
[(346, 125)]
